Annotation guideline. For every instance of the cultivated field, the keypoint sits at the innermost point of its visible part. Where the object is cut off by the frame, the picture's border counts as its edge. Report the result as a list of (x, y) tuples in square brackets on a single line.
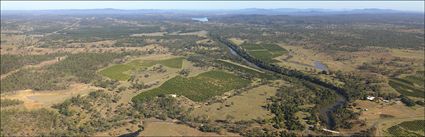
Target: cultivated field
[(198, 88), (265, 52)]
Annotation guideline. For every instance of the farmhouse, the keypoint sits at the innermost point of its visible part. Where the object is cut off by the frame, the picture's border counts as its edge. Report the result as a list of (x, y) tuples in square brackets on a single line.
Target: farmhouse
[(371, 98)]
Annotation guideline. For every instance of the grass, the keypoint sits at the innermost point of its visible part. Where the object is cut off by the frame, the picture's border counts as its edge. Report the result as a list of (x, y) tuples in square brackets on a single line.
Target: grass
[(410, 85), (262, 55), (117, 72), (407, 128), (416, 125), (265, 52), (244, 68), (198, 88), (15, 122), (400, 132), (120, 71), (10, 102), (246, 106), (172, 63)]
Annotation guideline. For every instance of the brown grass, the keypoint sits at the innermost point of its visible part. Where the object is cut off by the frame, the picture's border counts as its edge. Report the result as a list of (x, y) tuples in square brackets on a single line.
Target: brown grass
[(246, 106), (375, 111), (45, 99)]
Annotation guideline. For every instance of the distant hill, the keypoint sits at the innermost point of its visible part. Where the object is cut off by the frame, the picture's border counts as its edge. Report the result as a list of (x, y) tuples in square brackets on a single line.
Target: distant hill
[(280, 11)]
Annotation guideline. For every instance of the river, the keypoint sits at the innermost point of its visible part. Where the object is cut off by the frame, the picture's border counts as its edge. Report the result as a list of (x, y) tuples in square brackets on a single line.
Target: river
[(326, 111)]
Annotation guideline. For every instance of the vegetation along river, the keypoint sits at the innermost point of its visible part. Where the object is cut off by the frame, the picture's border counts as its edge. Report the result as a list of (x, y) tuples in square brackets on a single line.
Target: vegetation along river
[(325, 111)]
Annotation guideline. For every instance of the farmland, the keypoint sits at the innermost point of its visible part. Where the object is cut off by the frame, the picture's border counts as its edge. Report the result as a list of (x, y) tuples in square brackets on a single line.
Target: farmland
[(240, 107), (107, 72), (122, 71), (408, 128), (172, 63), (412, 85), (243, 68), (265, 52), (198, 88)]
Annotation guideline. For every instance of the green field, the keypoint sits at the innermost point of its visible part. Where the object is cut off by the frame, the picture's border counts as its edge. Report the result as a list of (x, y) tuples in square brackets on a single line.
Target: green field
[(408, 128), (412, 85), (243, 68), (265, 52), (172, 63), (121, 71), (117, 72), (417, 125), (198, 88)]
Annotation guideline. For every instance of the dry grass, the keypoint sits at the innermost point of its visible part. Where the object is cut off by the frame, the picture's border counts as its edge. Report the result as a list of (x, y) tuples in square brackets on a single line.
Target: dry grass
[(45, 99), (12, 50), (161, 128), (237, 41), (304, 58), (201, 33), (398, 110), (412, 54), (149, 34), (246, 106)]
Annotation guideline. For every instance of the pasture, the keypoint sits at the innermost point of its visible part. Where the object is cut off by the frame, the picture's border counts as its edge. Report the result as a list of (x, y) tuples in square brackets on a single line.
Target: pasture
[(198, 88), (411, 85), (394, 113), (265, 52), (408, 128), (122, 71), (44, 99), (247, 106), (243, 68), (165, 128), (172, 63)]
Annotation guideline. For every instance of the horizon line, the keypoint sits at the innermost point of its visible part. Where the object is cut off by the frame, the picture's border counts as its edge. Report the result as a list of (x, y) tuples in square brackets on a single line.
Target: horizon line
[(327, 9)]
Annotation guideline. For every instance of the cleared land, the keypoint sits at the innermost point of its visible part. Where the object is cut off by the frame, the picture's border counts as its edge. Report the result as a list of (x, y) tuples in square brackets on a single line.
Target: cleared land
[(244, 68), (240, 107), (198, 88), (408, 128), (40, 99), (172, 63), (122, 71), (237, 41), (160, 128), (265, 52), (412, 85), (394, 113)]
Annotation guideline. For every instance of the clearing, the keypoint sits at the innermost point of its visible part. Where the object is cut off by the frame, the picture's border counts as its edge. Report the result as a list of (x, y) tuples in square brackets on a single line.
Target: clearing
[(265, 52), (122, 72), (162, 128), (247, 106), (43, 99), (384, 115), (198, 88)]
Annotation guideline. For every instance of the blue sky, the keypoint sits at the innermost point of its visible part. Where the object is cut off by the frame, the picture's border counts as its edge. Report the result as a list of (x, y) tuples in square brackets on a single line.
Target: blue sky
[(199, 5)]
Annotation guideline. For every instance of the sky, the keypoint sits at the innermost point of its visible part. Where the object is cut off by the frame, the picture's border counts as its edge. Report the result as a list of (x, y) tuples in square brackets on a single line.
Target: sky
[(208, 5)]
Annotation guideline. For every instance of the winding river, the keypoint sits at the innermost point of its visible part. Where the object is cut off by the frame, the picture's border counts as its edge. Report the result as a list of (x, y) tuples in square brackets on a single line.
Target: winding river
[(325, 111)]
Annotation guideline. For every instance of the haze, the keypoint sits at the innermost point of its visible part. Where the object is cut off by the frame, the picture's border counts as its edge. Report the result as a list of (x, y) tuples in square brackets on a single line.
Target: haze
[(207, 5)]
